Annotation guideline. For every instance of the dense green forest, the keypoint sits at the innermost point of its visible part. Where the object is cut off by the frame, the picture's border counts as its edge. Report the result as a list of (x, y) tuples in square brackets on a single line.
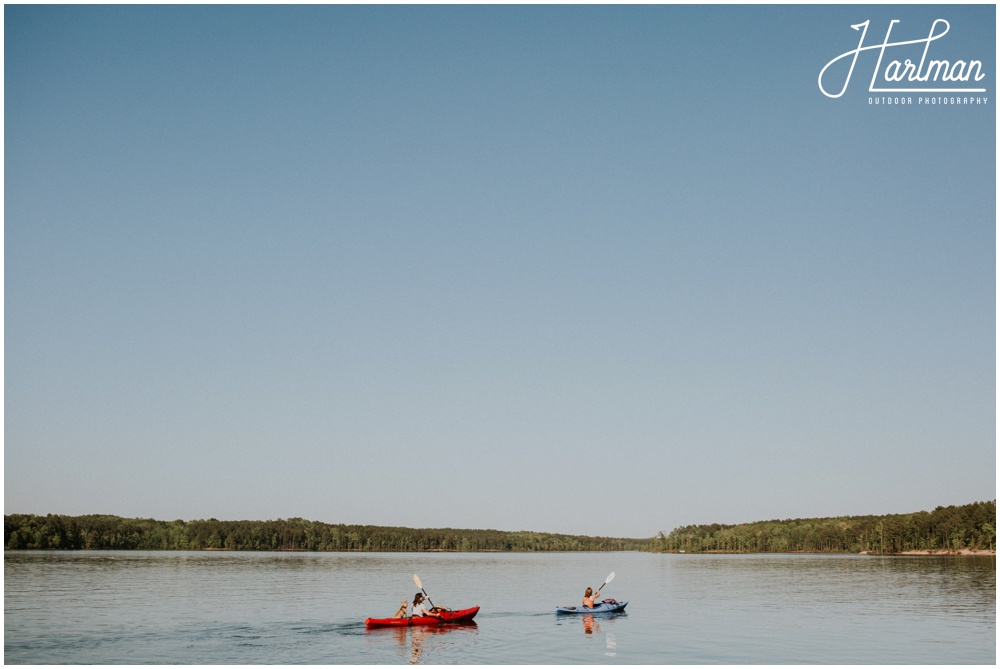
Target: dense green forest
[(972, 526), (113, 532)]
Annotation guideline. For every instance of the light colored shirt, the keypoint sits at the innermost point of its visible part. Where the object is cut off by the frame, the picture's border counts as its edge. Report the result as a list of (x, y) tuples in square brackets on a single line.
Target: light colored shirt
[(420, 610)]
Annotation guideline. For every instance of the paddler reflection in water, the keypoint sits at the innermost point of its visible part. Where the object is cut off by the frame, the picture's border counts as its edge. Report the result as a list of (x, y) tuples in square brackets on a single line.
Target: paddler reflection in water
[(419, 609), (588, 598)]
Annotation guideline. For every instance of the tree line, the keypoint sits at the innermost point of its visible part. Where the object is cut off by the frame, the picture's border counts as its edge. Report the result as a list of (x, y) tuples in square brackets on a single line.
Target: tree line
[(101, 532), (971, 526)]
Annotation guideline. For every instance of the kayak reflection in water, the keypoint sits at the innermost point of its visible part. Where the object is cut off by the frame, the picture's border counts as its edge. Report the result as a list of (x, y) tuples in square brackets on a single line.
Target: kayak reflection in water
[(588, 598), (590, 624), (416, 640), (420, 610)]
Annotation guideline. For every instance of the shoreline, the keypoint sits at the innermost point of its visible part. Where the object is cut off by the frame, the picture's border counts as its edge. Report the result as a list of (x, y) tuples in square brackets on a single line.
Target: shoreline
[(968, 552), (937, 552)]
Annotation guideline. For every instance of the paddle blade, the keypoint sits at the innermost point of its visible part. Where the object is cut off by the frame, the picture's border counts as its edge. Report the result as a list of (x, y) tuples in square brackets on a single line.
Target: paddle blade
[(609, 578), (416, 579)]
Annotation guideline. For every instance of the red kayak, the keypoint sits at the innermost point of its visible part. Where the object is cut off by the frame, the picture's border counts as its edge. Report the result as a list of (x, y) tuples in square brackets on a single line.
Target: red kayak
[(461, 616)]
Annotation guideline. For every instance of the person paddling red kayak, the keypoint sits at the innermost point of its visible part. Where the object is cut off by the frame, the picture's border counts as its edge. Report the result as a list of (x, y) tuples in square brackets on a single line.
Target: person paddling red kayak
[(423, 615), (420, 610), (444, 618)]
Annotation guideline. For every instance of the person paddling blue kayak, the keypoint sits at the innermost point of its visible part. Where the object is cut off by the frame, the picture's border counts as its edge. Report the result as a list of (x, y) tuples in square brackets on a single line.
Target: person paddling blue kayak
[(589, 595), (589, 603)]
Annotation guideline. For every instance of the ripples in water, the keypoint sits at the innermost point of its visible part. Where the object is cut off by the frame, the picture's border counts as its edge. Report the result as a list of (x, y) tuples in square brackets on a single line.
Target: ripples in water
[(265, 608)]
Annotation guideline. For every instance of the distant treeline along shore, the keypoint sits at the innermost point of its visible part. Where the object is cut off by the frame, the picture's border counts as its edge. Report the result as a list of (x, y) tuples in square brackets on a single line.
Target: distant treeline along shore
[(293, 534), (953, 528), (971, 527)]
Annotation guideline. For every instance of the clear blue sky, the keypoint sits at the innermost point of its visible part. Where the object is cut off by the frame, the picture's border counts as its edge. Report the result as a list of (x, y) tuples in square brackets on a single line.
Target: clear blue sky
[(595, 270)]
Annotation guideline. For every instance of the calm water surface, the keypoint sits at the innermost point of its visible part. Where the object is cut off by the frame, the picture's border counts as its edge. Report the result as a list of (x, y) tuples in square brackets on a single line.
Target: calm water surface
[(309, 608)]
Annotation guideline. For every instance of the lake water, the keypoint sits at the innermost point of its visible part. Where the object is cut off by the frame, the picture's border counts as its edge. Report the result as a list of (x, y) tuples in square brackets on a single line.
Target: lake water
[(309, 608)]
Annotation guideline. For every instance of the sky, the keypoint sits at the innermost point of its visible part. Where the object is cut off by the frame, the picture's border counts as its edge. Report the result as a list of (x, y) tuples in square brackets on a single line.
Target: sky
[(600, 270)]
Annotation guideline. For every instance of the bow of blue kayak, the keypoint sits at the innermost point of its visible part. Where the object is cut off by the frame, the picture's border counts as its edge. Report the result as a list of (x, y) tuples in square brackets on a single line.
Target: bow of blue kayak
[(603, 607)]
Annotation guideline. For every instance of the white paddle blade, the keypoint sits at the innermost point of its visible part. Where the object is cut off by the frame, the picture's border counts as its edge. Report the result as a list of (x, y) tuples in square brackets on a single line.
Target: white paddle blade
[(610, 578), (416, 580)]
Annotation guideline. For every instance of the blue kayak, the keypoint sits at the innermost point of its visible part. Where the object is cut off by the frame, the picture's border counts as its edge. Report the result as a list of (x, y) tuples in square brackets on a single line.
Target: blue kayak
[(607, 606)]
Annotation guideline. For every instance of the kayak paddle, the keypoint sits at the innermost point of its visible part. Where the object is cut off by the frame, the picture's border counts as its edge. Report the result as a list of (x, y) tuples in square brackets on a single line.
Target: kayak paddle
[(416, 579), (610, 578)]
